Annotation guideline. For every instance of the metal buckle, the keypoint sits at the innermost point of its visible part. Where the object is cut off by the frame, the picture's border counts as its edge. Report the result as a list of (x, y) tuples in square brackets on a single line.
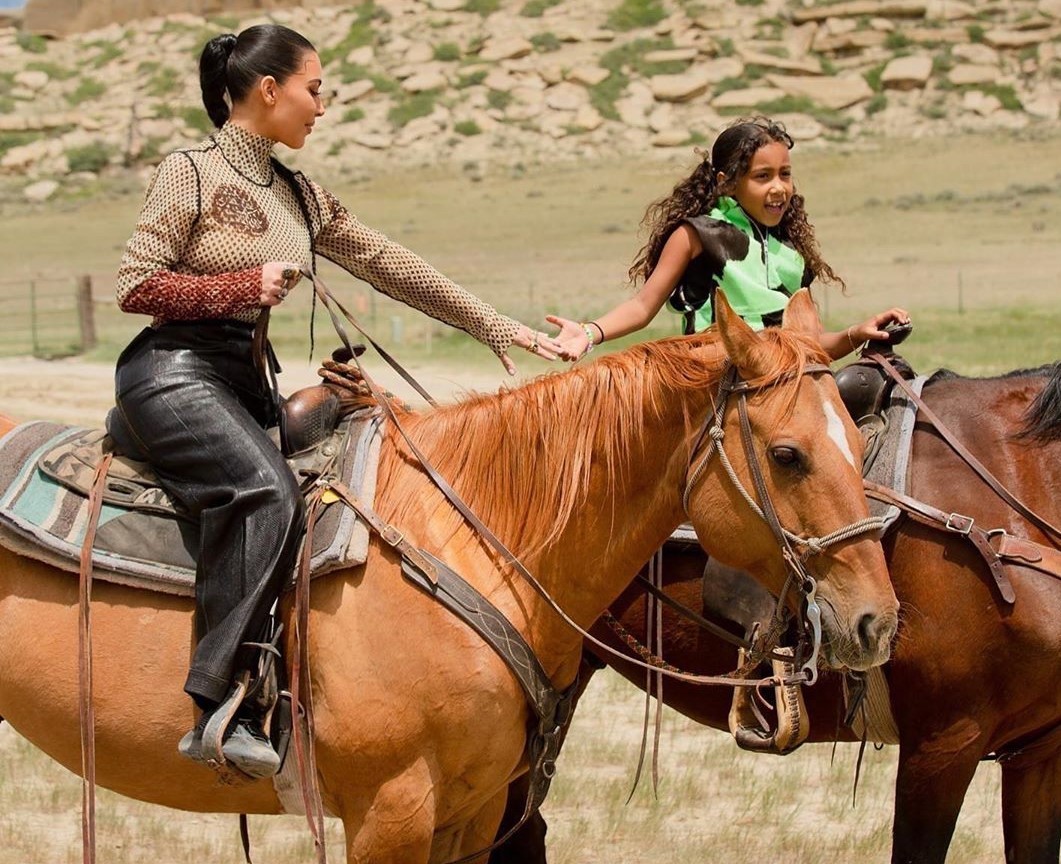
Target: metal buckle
[(959, 524), (391, 535)]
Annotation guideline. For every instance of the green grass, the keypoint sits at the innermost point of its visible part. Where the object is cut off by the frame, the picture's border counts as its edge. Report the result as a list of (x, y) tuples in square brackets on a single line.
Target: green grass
[(537, 8), (91, 157), (412, 106), (636, 14), (87, 90)]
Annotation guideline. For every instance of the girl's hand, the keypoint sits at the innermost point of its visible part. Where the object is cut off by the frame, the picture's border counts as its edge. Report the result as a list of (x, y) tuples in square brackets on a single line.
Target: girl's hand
[(278, 278), (873, 327), (572, 338), (537, 343)]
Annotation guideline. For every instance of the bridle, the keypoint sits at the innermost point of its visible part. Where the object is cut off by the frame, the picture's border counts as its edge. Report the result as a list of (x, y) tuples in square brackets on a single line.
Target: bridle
[(795, 562)]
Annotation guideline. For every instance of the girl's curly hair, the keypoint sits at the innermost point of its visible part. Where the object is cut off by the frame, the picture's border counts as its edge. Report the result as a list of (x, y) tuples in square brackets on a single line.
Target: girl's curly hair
[(698, 193)]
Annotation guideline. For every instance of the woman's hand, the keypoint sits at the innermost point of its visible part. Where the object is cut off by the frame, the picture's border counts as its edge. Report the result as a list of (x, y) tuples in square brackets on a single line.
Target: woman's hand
[(873, 327), (572, 337), (278, 278), (536, 342)]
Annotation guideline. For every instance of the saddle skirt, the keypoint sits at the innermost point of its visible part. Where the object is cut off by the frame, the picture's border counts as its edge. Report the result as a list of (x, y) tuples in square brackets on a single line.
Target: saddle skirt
[(144, 538), (888, 438)]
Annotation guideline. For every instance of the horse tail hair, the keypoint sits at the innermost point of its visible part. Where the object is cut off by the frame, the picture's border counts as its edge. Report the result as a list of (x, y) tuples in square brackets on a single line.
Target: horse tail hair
[(1042, 419)]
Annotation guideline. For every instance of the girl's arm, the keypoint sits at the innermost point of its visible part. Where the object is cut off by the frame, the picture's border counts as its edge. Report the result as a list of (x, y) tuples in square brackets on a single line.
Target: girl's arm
[(840, 344), (633, 314)]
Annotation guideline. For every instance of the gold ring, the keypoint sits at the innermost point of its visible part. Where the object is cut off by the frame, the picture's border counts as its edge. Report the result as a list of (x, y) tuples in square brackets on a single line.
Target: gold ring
[(534, 344)]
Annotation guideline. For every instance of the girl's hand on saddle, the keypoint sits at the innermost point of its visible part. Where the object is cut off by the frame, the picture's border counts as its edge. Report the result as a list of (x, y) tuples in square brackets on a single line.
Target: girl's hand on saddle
[(572, 338), (873, 327), (278, 278)]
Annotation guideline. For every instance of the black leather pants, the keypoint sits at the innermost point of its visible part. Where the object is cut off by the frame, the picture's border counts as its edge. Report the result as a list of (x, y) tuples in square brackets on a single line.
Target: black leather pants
[(192, 400)]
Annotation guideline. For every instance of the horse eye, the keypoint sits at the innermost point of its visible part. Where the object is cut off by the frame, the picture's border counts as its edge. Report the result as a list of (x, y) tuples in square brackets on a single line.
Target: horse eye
[(787, 456)]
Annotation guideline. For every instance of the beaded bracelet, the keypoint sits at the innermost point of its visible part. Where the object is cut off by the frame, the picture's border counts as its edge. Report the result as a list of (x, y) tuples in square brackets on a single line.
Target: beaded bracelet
[(589, 335)]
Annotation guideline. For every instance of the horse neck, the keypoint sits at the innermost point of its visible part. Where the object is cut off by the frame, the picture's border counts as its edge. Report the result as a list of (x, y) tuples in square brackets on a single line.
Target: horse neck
[(579, 474)]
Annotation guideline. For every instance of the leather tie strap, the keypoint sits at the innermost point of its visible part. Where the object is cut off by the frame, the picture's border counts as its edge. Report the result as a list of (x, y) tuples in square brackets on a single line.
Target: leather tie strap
[(956, 523), (84, 666)]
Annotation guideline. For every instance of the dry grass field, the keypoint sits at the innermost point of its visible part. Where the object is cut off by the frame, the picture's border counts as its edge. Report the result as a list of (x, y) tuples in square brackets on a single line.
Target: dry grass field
[(963, 232)]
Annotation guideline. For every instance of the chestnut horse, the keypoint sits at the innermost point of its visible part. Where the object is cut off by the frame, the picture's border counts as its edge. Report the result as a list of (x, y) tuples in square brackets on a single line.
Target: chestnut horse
[(420, 727), (971, 677)]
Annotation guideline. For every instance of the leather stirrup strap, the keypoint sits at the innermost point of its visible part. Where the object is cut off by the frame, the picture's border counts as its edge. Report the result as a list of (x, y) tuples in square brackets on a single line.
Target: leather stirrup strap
[(981, 470), (84, 666)]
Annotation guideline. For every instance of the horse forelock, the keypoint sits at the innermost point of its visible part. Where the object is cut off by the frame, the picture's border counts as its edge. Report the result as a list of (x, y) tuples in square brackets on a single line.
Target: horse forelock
[(522, 458), (784, 355)]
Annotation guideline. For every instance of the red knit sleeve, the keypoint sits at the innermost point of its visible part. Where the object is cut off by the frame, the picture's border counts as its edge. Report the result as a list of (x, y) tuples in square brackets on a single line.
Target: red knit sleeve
[(180, 297)]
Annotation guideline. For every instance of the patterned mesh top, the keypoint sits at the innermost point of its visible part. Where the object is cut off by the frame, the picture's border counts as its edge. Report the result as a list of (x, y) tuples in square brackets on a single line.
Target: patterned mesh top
[(215, 213)]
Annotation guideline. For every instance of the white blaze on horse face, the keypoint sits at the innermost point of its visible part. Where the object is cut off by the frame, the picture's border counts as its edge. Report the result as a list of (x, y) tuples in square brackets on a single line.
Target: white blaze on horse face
[(836, 431)]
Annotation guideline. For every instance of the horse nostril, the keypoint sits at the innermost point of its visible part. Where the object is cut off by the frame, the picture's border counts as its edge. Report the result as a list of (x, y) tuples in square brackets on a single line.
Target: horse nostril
[(867, 631), (875, 631)]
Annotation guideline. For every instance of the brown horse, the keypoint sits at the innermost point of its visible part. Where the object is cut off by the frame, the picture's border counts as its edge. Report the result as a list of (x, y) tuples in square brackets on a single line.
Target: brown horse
[(970, 677), (581, 474)]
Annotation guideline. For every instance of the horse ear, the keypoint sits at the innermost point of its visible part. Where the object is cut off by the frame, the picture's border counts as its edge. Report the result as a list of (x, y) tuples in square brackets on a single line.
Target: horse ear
[(802, 315), (742, 343)]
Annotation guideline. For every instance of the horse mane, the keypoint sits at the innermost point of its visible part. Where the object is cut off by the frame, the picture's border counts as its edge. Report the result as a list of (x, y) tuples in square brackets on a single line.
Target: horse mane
[(1042, 419), (521, 458)]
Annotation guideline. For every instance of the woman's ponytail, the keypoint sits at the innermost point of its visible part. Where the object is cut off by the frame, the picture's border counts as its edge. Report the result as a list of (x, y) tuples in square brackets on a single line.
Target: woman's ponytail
[(213, 76)]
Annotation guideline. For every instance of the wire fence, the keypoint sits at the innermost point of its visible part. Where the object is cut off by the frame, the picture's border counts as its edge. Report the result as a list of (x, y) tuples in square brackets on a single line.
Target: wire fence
[(46, 317)]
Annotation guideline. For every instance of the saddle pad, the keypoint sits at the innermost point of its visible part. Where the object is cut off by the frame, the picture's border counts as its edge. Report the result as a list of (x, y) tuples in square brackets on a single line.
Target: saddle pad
[(43, 519), (889, 462)]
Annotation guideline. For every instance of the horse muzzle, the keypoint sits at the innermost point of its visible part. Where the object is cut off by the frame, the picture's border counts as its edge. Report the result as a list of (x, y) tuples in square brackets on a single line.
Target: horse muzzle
[(860, 640)]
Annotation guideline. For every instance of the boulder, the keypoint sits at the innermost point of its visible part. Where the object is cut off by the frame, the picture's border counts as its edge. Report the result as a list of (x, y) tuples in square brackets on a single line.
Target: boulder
[(1000, 38), (32, 79), (975, 52), (587, 75), (862, 9), (747, 97), (906, 73), (836, 92), (1043, 102), (505, 48), (42, 190), (980, 103), (670, 138), (972, 73), (680, 88), (566, 97), (949, 10), (856, 40), (670, 55), (423, 81), (807, 66)]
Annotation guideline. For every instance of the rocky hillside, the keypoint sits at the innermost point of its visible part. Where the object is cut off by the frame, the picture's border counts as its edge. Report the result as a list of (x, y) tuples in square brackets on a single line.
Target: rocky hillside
[(470, 82)]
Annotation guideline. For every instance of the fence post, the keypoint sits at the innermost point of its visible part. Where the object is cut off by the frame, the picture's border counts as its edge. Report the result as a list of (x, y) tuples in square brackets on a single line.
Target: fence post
[(33, 316), (86, 315)]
